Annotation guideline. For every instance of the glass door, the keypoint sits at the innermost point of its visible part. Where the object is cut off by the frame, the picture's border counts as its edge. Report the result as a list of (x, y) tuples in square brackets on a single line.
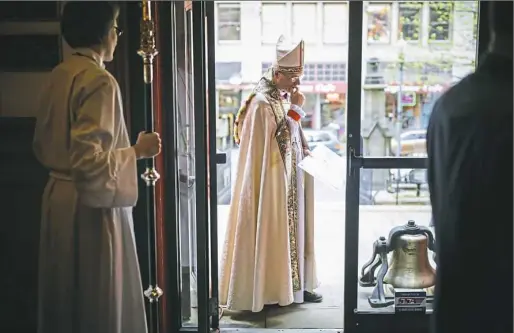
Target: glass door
[(244, 38), (402, 57), (191, 113)]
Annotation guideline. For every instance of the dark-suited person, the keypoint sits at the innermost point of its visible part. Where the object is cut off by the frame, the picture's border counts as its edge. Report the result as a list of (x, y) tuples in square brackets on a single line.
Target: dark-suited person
[(469, 144)]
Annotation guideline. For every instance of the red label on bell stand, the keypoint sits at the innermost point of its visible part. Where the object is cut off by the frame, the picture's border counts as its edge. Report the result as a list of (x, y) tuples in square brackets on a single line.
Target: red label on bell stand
[(410, 302)]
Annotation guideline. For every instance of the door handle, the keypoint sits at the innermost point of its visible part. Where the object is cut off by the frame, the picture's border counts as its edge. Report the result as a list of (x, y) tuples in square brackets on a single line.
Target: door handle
[(221, 158), (354, 161), (186, 179)]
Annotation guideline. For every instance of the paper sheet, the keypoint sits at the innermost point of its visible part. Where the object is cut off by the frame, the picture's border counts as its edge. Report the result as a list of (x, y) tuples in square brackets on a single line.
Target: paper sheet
[(325, 166)]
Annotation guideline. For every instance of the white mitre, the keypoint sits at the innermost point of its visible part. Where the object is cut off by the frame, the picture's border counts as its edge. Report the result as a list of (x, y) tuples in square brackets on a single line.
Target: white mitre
[(289, 59)]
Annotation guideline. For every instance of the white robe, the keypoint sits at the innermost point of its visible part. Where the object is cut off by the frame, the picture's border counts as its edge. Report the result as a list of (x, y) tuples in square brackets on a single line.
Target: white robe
[(89, 278), (256, 263)]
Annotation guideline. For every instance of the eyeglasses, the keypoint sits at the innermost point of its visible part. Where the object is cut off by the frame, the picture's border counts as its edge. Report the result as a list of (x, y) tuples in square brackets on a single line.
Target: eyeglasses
[(119, 32), (293, 77)]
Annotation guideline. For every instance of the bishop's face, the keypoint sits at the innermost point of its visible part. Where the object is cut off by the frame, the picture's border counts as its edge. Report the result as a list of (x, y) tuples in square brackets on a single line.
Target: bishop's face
[(286, 82)]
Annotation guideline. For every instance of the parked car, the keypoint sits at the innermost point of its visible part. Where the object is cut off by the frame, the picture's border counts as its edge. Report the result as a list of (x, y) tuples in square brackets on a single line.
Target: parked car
[(317, 137), (412, 143)]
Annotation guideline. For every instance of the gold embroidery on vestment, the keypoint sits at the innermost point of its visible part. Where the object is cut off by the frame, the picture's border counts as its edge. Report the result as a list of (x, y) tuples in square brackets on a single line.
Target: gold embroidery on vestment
[(283, 137)]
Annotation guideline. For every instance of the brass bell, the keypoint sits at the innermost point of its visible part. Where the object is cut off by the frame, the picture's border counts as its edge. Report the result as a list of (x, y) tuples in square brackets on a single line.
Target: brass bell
[(410, 267)]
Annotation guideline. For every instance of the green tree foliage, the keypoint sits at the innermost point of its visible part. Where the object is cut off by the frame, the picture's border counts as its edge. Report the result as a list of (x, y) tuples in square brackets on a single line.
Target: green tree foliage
[(452, 34)]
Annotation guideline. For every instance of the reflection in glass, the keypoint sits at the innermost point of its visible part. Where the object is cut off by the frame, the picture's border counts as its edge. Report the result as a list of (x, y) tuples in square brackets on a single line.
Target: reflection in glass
[(405, 76), (394, 227), (185, 118)]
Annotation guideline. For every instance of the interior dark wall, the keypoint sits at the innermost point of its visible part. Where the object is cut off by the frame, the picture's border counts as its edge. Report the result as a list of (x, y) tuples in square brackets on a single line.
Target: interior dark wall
[(22, 180)]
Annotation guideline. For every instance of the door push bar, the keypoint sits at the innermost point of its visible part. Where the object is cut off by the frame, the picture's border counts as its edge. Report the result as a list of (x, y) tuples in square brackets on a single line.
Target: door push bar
[(361, 162)]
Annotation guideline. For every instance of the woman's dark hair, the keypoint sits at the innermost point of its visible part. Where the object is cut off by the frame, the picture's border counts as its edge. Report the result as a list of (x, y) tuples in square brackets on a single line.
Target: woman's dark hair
[(500, 15), (86, 23)]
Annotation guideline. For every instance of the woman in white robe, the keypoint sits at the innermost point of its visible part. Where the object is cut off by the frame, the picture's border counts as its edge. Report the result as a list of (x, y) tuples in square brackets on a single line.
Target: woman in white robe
[(89, 278)]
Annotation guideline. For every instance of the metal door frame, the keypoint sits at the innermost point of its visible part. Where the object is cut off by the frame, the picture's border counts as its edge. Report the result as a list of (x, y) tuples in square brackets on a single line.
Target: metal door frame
[(355, 321), (205, 169), (202, 159), (206, 208), (215, 158)]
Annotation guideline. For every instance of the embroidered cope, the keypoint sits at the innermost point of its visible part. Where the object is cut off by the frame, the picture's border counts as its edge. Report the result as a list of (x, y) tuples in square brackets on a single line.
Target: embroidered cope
[(268, 254)]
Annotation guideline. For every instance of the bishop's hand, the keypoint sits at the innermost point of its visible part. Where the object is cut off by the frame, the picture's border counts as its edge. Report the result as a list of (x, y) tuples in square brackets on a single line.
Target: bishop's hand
[(297, 97)]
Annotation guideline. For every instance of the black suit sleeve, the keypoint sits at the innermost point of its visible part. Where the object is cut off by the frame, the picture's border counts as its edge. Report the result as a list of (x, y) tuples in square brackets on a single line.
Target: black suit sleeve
[(434, 151)]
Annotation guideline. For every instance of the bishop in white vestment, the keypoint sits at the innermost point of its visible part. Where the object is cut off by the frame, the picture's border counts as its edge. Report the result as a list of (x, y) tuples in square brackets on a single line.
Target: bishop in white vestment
[(268, 255)]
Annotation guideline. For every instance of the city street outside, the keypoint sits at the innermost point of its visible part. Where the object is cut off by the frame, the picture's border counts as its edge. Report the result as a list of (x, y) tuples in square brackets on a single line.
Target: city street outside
[(326, 195), (374, 221)]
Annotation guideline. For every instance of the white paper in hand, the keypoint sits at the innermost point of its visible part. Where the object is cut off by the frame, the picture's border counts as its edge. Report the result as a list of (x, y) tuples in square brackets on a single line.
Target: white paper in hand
[(325, 166)]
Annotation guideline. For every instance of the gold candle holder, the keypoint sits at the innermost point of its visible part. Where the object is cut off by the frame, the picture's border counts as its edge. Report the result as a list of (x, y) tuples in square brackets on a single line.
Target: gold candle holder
[(147, 50)]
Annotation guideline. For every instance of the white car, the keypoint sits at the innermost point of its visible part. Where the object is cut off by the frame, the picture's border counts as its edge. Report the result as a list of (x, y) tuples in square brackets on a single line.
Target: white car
[(412, 143)]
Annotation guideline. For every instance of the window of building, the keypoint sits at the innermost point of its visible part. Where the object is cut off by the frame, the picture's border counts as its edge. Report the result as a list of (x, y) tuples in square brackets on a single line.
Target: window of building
[(273, 19), (379, 22), (409, 20), (229, 22), (265, 66), (304, 22), (440, 20), (227, 70), (330, 72), (309, 73), (335, 22)]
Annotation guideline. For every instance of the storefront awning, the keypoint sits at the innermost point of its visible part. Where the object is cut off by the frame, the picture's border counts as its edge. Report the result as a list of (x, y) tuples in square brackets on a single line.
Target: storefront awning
[(417, 88), (307, 87)]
